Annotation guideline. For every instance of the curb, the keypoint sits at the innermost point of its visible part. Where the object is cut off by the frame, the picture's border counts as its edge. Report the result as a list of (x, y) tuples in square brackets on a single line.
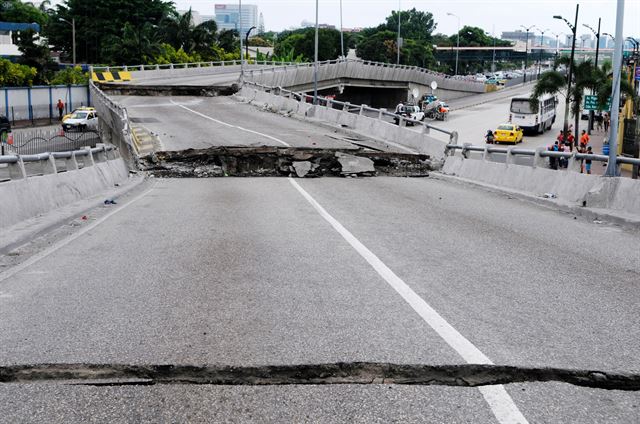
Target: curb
[(587, 213)]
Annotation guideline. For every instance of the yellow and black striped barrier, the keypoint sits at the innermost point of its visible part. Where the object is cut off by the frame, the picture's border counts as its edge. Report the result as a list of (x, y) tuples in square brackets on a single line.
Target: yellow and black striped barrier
[(114, 76)]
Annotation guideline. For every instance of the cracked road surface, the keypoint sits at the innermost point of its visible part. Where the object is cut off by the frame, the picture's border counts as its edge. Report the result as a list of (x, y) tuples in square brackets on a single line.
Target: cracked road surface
[(255, 272)]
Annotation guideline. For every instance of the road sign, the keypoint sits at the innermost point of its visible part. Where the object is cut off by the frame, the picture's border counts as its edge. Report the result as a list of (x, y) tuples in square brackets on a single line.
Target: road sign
[(591, 103)]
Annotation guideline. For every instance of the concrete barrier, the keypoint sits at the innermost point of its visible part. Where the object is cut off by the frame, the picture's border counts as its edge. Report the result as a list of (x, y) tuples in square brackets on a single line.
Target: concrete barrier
[(571, 188), (375, 128), (29, 197)]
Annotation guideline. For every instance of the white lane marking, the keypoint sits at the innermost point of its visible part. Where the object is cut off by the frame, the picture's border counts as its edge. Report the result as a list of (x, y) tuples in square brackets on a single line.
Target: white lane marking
[(231, 125), (62, 243), (501, 404)]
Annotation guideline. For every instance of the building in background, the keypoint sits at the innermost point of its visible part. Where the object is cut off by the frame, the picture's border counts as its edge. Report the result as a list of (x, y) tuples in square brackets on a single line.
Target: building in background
[(228, 16), (260, 24), (7, 29)]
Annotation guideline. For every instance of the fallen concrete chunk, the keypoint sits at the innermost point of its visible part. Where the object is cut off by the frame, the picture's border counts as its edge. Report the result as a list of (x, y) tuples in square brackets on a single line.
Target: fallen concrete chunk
[(355, 164), (302, 168)]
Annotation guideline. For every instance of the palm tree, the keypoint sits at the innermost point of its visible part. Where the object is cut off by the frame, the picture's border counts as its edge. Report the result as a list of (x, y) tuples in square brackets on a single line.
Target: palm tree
[(586, 77), (182, 34)]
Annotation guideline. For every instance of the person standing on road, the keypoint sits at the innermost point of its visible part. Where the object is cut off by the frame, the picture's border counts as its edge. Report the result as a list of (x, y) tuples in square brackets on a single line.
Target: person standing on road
[(553, 161), (607, 122), (587, 162), (584, 139), (60, 107)]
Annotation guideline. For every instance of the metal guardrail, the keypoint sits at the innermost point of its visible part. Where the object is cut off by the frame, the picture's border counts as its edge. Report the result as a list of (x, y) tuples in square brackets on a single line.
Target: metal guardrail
[(41, 141), (189, 65), (540, 152), (14, 167), (348, 107)]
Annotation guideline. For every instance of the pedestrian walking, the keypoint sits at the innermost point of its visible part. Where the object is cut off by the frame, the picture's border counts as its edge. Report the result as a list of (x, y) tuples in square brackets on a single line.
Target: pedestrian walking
[(553, 161), (607, 122), (587, 162), (599, 121), (584, 139), (60, 107)]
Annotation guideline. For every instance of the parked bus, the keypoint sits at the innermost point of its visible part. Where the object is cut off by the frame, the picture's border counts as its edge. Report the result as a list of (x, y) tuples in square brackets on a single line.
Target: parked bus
[(522, 116)]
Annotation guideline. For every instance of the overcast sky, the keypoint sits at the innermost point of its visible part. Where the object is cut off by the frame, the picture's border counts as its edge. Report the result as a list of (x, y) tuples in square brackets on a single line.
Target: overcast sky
[(503, 14)]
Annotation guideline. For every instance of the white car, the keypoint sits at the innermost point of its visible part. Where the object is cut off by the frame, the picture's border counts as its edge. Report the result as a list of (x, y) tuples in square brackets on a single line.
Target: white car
[(81, 120), (415, 113)]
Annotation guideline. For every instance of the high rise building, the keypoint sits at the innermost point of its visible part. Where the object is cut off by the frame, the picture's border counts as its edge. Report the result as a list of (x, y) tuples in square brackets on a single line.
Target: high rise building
[(228, 16)]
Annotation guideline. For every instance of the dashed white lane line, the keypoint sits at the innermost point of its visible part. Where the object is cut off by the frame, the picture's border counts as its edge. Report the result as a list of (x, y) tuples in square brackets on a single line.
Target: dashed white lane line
[(501, 404), (62, 243), (277, 140)]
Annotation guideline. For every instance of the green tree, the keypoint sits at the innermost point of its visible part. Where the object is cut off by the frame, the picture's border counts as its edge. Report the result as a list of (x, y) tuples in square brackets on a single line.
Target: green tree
[(101, 23), (136, 45), (585, 77), (415, 25), (168, 54), (302, 42), (229, 41), (180, 32), (16, 75), (68, 76), (380, 47), (17, 11), (35, 54)]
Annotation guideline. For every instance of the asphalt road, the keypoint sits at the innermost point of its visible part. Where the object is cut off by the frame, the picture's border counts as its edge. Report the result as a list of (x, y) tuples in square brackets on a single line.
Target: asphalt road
[(200, 122), (261, 272)]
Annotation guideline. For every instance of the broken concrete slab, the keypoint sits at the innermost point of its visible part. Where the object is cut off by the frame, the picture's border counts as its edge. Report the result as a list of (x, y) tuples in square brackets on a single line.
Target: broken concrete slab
[(271, 161), (355, 165)]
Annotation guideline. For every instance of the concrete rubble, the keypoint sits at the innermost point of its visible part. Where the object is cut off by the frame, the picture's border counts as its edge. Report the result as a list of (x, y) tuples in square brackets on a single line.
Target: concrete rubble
[(269, 161)]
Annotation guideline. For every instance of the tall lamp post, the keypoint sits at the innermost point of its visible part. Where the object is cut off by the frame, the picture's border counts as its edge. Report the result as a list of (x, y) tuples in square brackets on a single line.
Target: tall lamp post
[(399, 20), (526, 51), (458, 41), (557, 35), (612, 166), (597, 34), (315, 62), (240, 35), (341, 33), (493, 60), (542, 31), (574, 28), (247, 40), (73, 35)]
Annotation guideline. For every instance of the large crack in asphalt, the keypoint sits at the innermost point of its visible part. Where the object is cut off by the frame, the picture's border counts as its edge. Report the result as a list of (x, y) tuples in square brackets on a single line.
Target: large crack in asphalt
[(464, 375)]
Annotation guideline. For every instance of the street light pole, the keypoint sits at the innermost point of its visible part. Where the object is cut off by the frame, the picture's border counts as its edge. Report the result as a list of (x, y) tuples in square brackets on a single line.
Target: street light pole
[(597, 34), (612, 166), (73, 35), (458, 41), (541, 48), (493, 60), (399, 20), (240, 35), (574, 29), (315, 62), (557, 45), (526, 52), (341, 32)]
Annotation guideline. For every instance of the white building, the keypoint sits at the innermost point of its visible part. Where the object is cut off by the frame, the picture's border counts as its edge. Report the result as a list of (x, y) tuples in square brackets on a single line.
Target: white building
[(228, 16)]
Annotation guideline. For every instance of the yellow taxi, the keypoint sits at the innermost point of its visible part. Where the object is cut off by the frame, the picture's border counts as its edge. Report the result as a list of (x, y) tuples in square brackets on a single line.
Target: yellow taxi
[(508, 133), (85, 108)]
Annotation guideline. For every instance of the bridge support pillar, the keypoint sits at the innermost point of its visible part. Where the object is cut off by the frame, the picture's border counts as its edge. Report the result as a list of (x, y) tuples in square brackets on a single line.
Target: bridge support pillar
[(381, 113), (538, 160), (90, 161), (346, 106), (465, 150), (49, 166), (362, 109), (101, 156)]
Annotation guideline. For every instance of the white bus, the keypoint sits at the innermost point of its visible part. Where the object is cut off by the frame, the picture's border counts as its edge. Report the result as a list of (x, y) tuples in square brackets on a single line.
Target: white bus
[(522, 116)]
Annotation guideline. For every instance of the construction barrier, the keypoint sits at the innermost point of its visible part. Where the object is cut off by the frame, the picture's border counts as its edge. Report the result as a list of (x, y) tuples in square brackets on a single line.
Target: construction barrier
[(114, 76)]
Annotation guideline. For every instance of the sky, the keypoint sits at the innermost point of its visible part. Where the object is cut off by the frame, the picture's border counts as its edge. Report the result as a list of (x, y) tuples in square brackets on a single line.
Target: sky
[(503, 15)]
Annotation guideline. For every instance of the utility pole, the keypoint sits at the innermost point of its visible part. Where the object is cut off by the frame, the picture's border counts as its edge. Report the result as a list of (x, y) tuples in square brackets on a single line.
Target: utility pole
[(73, 36), (574, 29), (541, 49), (315, 62), (240, 35), (458, 41), (399, 39), (341, 33), (612, 166), (597, 34), (526, 52)]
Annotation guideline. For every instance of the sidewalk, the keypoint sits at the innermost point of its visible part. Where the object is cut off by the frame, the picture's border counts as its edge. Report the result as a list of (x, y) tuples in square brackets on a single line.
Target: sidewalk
[(597, 140)]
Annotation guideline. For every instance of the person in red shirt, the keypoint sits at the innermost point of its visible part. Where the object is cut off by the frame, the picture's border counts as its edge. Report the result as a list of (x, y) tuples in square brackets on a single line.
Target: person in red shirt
[(60, 107), (584, 139)]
